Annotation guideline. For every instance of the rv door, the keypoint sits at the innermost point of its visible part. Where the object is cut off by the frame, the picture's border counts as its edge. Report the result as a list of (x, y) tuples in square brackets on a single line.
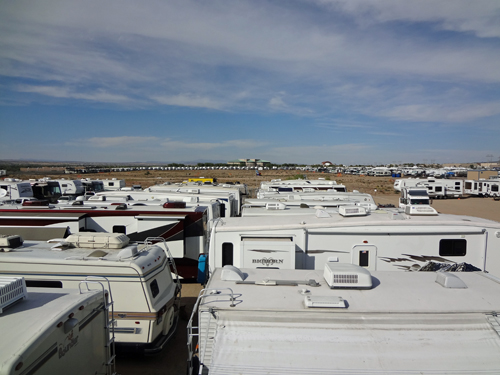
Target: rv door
[(365, 256)]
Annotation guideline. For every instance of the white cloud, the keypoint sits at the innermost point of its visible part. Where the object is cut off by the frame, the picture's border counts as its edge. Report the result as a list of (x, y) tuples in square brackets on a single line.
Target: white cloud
[(66, 93), (186, 100)]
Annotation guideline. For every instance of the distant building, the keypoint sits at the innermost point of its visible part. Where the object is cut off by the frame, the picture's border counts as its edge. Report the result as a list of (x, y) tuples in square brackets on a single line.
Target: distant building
[(481, 174), (250, 162), (326, 163), (3, 172)]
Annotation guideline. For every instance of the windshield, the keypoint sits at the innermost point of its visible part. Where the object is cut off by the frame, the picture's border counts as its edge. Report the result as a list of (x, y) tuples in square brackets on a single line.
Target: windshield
[(419, 201)]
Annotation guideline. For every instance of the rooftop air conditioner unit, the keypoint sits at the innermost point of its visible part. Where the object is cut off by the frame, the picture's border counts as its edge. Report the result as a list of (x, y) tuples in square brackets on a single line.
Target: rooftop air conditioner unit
[(98, 240), (346, 275), (352, 211), (12, 289)]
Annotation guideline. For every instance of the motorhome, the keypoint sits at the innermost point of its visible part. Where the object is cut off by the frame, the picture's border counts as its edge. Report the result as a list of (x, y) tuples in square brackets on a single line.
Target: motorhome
[(146, 296), (50, 331), (414, 196), (52, 189), (343, 319), (384, 239)]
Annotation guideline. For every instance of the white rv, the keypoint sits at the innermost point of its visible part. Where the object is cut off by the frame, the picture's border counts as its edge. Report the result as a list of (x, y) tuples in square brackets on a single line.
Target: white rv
[(343, 319), (113, 184), (315, 198), (50, 331), (414, 196), (146, 297), (12, 190), (291, 186), (384, 239)]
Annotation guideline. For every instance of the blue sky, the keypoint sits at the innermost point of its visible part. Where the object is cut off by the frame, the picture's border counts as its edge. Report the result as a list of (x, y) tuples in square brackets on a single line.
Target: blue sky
[(349, 81)]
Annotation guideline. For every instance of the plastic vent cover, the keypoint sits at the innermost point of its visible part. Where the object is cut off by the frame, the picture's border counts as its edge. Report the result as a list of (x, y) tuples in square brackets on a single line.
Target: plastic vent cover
[(345, 275), (420, 210), (98, 240), (12, 289), (352, 211)]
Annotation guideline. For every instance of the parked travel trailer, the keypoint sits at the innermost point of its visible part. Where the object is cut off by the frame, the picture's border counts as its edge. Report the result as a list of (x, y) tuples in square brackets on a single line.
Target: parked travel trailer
[(414, 196), (363, 199), (384, 239), (47, 331), (443, 188), (113, 184), (228, 193), (184, 229), (146, 297), (290, 186), (11, 189), (344, 319), (228, 204)]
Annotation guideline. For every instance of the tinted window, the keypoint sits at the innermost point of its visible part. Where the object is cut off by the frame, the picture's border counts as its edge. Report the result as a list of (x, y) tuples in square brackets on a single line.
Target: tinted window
[(119, 229), (363, 258), (450, 248), (154, 288), (227, 254), (43, 284)]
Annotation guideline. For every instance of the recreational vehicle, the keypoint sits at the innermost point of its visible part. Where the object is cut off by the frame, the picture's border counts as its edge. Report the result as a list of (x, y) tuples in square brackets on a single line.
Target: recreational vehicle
[(384, 239), (184, 229), (344, 319), (146, 297), (11, 189), (47, 331), (413, 196)]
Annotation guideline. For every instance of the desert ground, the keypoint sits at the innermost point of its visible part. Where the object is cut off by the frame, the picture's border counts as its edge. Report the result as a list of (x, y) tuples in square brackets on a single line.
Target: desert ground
[(381, 188)]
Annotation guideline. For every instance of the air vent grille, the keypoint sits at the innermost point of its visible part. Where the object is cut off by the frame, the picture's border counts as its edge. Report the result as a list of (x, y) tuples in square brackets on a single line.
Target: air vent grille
[(345, 279)]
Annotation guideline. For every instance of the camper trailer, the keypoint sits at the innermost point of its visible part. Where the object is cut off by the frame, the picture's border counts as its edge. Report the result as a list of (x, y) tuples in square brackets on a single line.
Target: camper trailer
[(146, 296), (344, 319), (47, 331), (12, 190), (384, 239)]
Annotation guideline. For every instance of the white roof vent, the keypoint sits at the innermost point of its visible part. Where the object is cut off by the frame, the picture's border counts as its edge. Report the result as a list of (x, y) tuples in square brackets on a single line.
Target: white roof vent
[(12, 289), (322, 213), (91, 240), (346, 275), (275, 206), (128, 252), (449, 280), (324, 301), (352, 211), (420, 210)]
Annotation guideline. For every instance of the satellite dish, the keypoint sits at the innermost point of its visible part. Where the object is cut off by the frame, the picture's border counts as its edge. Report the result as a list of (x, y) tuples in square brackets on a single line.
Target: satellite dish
[(3, 193)]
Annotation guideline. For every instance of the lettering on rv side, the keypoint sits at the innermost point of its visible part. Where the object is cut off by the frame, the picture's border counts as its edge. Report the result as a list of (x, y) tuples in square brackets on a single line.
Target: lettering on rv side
[(268, 261), (69, 342)]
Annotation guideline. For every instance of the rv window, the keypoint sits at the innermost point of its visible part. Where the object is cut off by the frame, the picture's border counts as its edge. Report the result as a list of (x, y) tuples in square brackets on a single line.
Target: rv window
[(452, 248), (363, 258), (154, 288), (227, 254), (119, 229), (43, 284)]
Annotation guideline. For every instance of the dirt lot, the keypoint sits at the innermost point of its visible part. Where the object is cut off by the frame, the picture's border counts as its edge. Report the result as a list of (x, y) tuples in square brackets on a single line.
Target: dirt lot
[(380, 187)]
